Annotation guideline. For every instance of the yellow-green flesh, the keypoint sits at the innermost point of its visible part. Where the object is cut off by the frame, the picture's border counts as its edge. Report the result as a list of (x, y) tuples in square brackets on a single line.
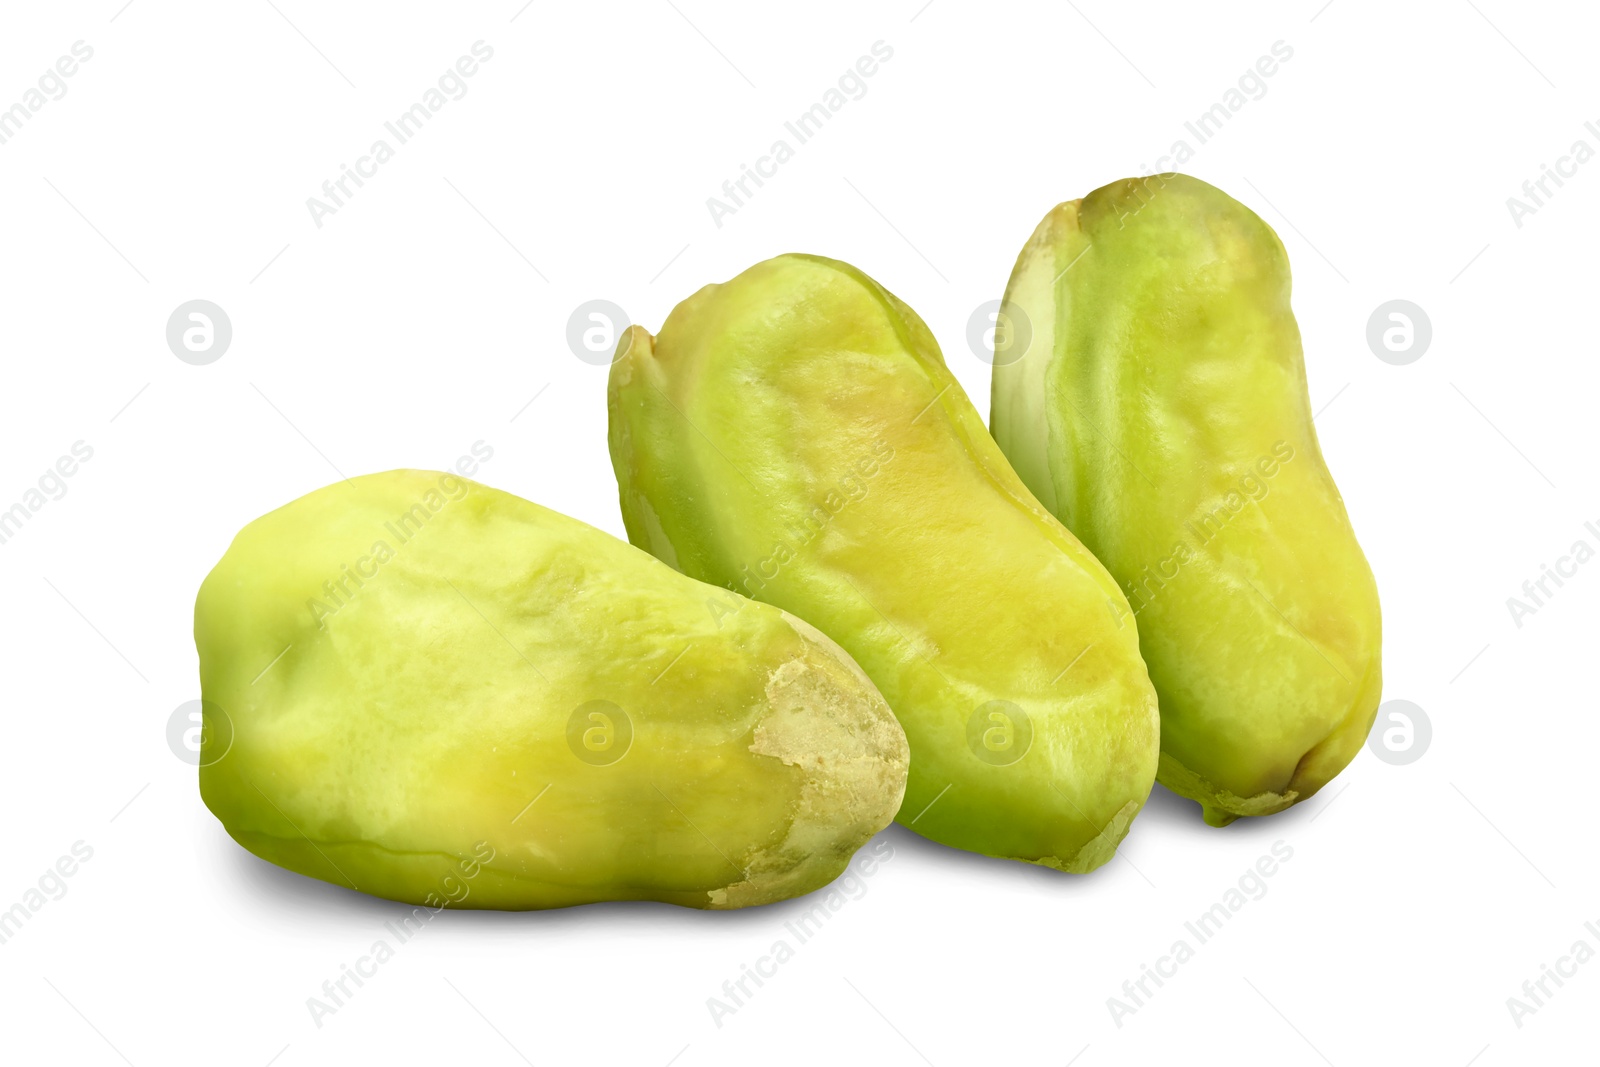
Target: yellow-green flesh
[(1161, 412), (794, 434), (423, 724)]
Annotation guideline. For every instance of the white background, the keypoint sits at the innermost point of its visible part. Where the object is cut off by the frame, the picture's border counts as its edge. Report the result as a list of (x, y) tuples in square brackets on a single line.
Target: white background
[(429, 310)]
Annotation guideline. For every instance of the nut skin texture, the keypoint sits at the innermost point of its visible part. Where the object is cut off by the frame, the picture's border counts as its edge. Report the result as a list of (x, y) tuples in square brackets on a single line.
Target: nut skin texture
[(1161, 412), (420, 731), (794, 434)]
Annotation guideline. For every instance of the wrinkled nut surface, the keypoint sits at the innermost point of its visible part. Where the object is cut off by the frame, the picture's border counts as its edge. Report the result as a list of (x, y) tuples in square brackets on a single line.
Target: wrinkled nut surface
[(795, 435), (1162, 413), (442, 693)]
